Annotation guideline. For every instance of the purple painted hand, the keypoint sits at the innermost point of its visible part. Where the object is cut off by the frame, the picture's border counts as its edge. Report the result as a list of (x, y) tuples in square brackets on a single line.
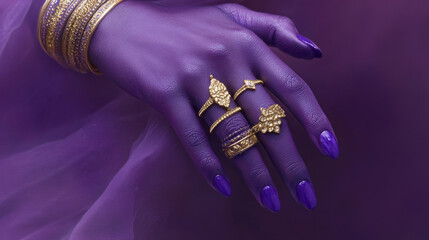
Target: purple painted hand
[(165, 55)]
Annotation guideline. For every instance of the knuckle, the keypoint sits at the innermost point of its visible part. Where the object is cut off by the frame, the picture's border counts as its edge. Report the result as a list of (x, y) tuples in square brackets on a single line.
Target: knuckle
[(281, 21), (293, 84), (258, 173), (217, 49), (316, 119), (233, 124), (293, 168), (207, 164), (191, 68), (194, 138), (244, 36)]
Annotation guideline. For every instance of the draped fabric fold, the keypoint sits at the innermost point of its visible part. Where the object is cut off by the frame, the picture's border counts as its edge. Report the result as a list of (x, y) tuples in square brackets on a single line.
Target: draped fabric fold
[(73, 147)]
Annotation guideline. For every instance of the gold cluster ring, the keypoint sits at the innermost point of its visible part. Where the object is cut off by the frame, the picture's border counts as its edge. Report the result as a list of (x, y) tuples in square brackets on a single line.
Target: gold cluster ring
[(270, 119)]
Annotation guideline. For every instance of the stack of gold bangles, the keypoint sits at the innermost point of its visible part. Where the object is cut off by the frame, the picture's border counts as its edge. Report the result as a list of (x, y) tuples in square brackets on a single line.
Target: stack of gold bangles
[(244, 138), (66, 27)]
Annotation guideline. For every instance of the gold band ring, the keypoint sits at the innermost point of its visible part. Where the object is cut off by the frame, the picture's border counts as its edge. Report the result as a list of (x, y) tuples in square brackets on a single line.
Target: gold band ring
[(248, 84), (270, 119), (218, 94), (240, 145), (226, 115)]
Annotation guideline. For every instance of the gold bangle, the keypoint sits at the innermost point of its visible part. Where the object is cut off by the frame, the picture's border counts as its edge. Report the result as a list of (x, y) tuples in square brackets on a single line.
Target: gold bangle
[(218, 94), (226, 115), (239, 146), (65, 29), (74, 30), (248, 84), (42, 23), (90, 30), (270, 119), (52, 29)]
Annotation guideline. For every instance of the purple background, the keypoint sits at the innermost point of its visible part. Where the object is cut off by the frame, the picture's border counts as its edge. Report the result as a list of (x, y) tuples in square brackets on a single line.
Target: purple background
[(373, 84)]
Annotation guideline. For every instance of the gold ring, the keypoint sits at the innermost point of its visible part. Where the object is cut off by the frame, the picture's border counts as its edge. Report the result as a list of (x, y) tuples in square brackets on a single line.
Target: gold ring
[(226, 115), (240, 144), (248, 84), (270, 119), (218, 94)]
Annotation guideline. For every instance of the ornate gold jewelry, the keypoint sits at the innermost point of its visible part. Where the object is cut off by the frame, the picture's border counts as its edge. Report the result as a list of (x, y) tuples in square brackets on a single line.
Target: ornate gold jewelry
[(65, 29), (240, 144), (226, 115), (90, 30), (235, 133), (270, 119), (218, 94), (248, 84), (73, 32)]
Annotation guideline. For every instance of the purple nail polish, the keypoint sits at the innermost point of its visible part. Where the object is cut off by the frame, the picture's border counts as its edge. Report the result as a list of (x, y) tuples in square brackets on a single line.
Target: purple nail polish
[(306, 196), (329, 144), (317, 52), (222, 184), (270, 198)]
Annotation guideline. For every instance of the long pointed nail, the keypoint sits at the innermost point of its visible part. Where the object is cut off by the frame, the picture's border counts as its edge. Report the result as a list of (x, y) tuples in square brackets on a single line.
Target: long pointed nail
[(306, 196), (316, 50), (270, 198), (329, 144), (221, 183)]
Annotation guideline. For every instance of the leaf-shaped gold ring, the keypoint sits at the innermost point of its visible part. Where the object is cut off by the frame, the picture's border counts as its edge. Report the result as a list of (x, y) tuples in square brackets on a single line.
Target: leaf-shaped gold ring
[(218, 94)]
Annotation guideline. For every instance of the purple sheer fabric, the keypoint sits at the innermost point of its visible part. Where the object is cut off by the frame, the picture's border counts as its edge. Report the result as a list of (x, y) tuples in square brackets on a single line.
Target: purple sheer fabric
[(76, 153)]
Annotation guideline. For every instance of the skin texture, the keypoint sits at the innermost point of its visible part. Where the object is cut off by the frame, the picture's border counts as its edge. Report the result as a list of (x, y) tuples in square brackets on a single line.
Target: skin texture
[(165, 57)]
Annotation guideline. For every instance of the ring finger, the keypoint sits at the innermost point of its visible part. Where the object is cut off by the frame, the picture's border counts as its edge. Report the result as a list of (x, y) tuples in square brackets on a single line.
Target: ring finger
[(280, 147)]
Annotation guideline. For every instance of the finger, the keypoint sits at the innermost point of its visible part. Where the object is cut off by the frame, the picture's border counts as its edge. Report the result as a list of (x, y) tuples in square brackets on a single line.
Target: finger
[(194, 139), (250, 163), (275, 30), (298, 97), (280, 147)]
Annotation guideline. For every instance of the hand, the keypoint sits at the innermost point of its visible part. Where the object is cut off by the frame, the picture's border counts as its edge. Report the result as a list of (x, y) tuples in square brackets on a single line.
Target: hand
[(164, 56)]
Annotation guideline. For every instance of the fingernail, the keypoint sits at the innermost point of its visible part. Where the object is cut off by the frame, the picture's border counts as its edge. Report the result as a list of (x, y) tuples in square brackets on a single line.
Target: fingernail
[(329, 144), (306, 196), (222, 184), (316, 50), (270, 198)]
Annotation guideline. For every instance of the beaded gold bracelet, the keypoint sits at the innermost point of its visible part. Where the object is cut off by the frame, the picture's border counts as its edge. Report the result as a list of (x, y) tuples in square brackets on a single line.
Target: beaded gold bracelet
[(66, 27), (74, 29)]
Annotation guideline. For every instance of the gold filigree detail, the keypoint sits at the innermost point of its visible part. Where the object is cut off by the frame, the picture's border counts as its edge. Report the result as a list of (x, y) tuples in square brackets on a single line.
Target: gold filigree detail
[(219, 93), (270, 119), (241, 144)]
